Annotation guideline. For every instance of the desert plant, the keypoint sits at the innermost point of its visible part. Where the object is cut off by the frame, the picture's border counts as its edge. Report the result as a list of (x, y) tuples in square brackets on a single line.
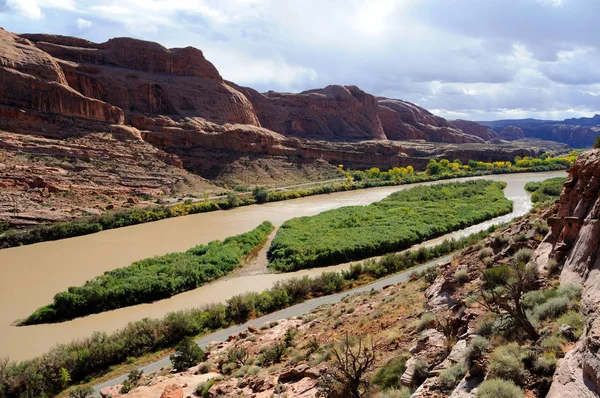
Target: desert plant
[(402, 392), (476, 349), (288, 338), (553, 343), (237, 355), (426, 319), (504, 286), (388, 375), (451, 376), (274, 353), (187, 354), (353, 359), (421, 371), (545, 364), (81, 392), (498, 388), (461, 276), (485, 252), (202, 388), (552, 308), (505, 363), (573, 319)]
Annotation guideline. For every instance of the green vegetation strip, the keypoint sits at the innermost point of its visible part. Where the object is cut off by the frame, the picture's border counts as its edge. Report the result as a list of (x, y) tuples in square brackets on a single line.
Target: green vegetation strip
[(356, 179), (153, 279), (546, 191), (394, 223), (85, 358)]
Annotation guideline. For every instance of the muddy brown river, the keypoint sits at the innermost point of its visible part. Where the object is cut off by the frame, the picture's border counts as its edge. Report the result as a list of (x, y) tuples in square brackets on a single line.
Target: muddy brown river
[(31, 275)]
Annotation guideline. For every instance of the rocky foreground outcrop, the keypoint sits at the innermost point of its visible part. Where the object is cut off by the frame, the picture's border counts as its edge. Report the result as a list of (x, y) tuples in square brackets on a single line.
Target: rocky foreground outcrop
[(574, 239)]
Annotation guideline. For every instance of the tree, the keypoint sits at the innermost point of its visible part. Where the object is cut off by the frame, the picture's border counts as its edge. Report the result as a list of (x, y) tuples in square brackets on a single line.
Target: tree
[(187, 354), (353, 359), (503, 288), (260, 194), (597, 145)]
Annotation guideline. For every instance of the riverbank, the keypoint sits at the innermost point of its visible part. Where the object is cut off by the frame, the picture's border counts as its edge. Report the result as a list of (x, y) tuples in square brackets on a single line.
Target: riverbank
[(33, 274), (113, 220)]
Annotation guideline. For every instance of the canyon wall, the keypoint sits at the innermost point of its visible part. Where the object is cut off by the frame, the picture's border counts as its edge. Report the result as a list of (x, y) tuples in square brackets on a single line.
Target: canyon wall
[(574, 240), (176, 100)]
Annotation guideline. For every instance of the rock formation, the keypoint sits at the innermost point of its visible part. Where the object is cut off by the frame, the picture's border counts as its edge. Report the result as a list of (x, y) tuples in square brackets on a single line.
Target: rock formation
[(180, 113), (574, 239), (512, 133), (476, 129), (577, 132)]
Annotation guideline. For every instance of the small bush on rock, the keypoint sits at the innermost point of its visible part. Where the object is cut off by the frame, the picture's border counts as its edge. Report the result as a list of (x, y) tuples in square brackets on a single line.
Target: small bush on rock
[(450, 377), (497, 388), (505, 363), (388, 376)]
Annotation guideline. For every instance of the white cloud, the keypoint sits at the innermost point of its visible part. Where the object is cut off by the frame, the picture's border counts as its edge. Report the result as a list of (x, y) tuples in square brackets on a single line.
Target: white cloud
[(32, 9), (83, 23), (502, 57)]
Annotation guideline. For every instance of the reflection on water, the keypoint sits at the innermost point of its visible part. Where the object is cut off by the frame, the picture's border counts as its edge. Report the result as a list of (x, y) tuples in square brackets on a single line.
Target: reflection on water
[(31, 275)]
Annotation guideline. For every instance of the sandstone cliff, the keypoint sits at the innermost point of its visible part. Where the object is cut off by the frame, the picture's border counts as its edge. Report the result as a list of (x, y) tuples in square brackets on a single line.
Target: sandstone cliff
[(574, 239), (476, 129), (576, 132)]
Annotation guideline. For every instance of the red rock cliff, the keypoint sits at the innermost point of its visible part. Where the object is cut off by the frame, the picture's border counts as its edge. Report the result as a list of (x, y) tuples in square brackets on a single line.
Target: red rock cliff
[(32, 79), (574, 239)]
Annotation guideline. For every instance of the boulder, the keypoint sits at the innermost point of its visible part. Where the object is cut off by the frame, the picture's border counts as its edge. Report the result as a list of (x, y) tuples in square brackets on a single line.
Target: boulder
[(172, 391)]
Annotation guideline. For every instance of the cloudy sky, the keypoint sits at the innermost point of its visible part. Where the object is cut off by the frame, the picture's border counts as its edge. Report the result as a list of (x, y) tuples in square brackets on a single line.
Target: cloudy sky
[(473, 59)]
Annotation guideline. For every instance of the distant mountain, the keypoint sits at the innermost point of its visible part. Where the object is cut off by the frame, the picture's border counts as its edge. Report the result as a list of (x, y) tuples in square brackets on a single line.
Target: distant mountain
[(576, 132)]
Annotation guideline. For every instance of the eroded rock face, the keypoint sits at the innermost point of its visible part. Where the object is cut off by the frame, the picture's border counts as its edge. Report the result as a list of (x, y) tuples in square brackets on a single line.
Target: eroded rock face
[(575, 235), (512, 133), (476, 129), (32, 79), (145, 77)]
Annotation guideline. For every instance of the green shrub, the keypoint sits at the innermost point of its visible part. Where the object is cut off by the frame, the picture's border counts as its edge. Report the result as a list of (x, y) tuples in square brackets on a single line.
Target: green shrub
[(388, 375), (237, 355), (204, 367), (497, 388), (552, 308), (202, 388), (425, 320), (571, 291), (392, 224), (402, 392), (421, 371), (476, 349), (138, 338), (260, 194), (81, 392), (573, 319), (450, 377), (546, 364), (461, 276), (486, 252), (553, 343), (187, 354), (597, 144), (522, 256), (153, 278), (274, 353), (547, 190), (505, 363), (485, 325)]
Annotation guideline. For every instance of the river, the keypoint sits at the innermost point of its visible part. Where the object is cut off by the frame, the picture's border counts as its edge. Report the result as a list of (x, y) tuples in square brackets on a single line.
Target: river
[(31, 275)]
